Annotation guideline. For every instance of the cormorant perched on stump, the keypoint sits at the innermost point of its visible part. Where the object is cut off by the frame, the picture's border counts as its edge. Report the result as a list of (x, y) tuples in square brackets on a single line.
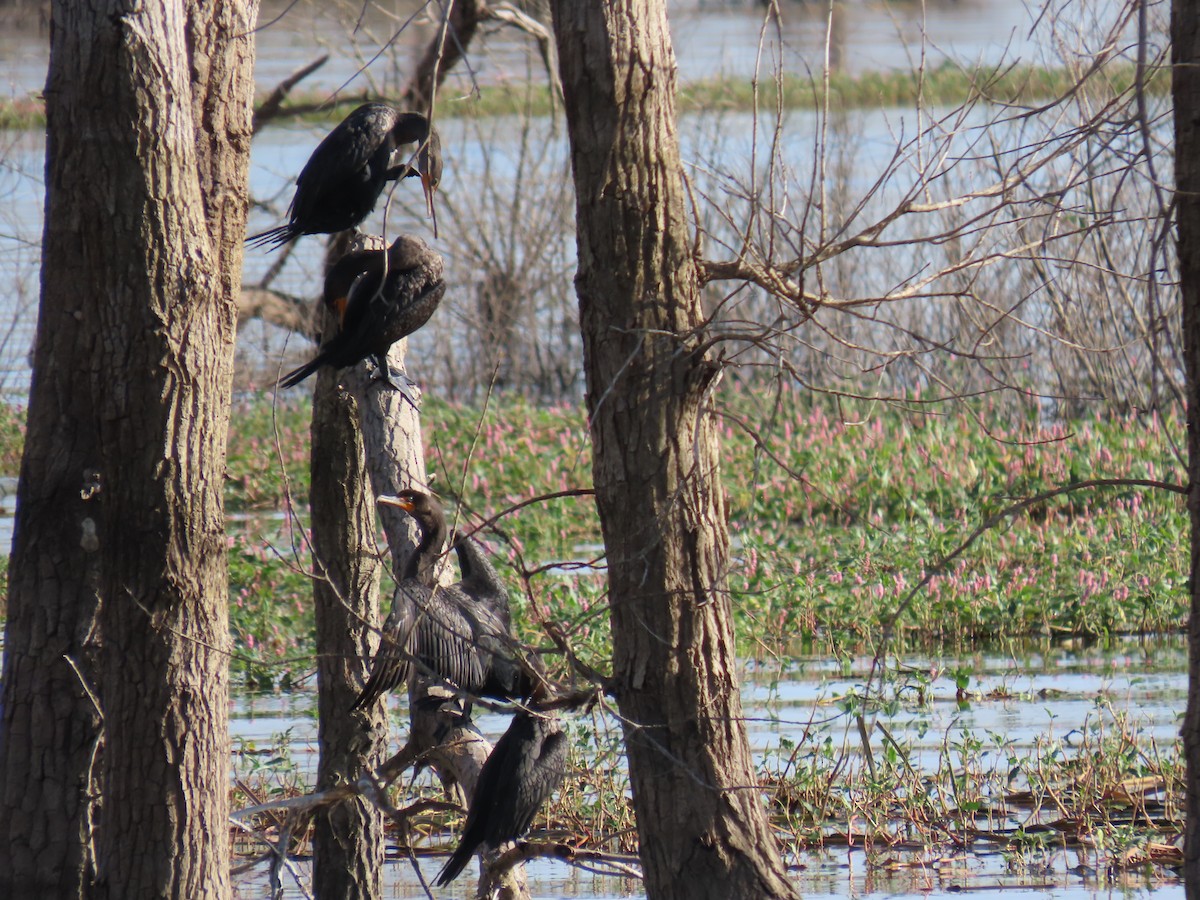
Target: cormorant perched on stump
[(452, 633), (525, 767), (342, 180), (376, 311)]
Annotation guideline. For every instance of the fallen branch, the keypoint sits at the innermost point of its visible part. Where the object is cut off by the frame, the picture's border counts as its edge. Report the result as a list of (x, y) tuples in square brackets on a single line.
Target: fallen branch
[(590, 860)]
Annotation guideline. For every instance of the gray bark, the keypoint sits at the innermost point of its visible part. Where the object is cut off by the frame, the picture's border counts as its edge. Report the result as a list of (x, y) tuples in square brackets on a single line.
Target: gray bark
[(118, 592), (348, 842), (656, 464)]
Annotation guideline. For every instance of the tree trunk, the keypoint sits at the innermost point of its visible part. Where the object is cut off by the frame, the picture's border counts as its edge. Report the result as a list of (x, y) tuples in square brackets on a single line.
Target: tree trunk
[(366, 443), (118, 593), (658, 490), (442, 55), (1185, 86), (349, 840), (395, 461)]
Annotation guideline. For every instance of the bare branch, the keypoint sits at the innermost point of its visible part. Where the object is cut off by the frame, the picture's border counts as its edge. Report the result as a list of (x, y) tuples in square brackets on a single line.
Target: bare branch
[(269, 109)]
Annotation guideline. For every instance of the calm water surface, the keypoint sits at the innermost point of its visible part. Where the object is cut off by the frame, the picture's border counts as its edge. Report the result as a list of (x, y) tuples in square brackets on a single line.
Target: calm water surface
[(1042, 691), (711, 37)]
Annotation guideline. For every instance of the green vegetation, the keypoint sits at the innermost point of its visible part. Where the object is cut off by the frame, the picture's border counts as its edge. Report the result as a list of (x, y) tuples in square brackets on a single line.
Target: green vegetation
[(944, 85), (834, 518), (835, 512), (831, 553), (12, 438)]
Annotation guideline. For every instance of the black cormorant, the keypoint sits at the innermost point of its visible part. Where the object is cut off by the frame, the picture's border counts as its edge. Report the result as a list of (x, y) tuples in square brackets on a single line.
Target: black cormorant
[(449, 632), (373, 318), (342, 180), (525, 767)]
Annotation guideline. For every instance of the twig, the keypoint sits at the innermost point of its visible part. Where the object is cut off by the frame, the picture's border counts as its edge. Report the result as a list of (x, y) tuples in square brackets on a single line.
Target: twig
[(590, 860), (287, 864)]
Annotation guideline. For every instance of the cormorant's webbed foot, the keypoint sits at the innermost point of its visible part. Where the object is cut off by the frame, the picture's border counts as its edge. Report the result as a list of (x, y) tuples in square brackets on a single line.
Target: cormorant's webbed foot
[(408, 388)]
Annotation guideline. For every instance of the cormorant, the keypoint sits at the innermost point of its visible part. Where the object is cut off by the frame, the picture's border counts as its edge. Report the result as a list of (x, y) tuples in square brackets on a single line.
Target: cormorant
[(450, 633), (479, 578), (342, 180), (525, 767), (372, 317)]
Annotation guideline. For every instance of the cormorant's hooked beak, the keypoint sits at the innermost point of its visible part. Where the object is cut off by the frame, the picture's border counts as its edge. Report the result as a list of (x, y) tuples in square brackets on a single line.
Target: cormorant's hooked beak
[(428, 186), (402, 502)]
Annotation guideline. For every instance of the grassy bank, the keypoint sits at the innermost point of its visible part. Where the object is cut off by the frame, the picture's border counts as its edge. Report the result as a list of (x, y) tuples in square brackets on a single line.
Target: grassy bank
[(945, 85), (832, 524), (834, 517)]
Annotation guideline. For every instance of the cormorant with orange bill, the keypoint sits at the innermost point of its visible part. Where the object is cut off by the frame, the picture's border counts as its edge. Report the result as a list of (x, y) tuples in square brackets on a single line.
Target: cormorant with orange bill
[(449, 631), (342, 180), (379, 298)]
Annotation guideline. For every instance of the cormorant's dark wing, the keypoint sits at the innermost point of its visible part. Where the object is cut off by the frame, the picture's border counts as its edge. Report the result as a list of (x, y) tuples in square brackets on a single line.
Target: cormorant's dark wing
[(377, 317), (389, 668), (525, 767), (532, 771), (456, 639)]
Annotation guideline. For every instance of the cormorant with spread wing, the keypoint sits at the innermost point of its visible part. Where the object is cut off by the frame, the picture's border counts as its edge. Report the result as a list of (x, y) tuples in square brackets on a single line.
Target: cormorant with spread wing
[(379, 297), (448, 630), (342, 180)]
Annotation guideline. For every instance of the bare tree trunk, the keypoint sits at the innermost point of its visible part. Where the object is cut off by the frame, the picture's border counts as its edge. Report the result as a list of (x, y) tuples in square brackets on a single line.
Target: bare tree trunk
[(348, 843), (442, 55), (702, 832), (120, 535), (395, 461), (1185, 56)]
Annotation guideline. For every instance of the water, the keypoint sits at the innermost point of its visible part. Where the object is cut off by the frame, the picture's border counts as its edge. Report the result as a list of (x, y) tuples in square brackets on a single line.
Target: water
[(1023, 696), (711, 37), (1029, 694)]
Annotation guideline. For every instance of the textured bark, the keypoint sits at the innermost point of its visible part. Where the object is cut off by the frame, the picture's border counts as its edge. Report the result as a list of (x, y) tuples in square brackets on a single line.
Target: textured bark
[(348, 845), (118, 577), (1185, 85), (395, 460), (702, 832)]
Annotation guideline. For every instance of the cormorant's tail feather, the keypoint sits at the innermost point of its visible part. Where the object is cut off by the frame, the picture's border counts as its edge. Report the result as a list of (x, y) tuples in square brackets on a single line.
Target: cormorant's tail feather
[(294, 377), (370, 693), (454, 866), (272, 237)]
